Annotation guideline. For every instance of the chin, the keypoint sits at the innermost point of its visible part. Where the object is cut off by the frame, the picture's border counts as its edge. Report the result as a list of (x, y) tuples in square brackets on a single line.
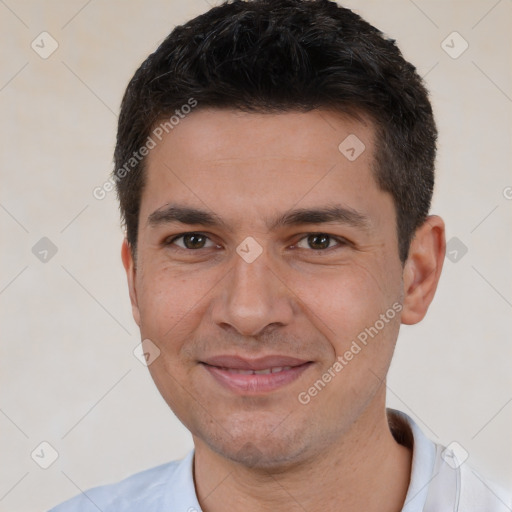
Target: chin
[(261, 446)]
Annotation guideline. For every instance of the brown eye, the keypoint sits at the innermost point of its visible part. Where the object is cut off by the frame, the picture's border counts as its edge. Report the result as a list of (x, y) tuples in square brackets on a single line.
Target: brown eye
[(318, 242), (191, 241), (194, 241)]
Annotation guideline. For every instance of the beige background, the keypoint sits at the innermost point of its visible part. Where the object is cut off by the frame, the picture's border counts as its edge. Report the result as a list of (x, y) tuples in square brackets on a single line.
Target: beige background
[(68, 374)]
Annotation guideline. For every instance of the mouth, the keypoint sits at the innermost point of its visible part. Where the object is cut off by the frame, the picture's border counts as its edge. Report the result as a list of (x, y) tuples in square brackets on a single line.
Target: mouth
[(253, 377)]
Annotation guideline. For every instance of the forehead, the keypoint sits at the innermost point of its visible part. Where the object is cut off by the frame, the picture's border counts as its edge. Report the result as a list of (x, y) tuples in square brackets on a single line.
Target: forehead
[(249, 162), (215, 135)]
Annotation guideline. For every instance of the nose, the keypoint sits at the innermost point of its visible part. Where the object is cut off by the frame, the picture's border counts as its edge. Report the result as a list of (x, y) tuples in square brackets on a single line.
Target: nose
[(253, 298)]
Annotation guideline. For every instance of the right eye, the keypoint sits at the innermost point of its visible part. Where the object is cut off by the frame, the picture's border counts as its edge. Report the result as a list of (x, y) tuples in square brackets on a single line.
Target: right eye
[(190, 241)]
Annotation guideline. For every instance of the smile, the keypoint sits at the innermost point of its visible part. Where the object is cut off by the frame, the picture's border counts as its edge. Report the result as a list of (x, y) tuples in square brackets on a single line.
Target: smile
[(255, 382), (265, 371)]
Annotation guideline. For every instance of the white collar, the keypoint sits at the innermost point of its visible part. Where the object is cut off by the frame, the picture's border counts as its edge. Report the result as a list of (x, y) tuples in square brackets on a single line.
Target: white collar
[(436, 483)]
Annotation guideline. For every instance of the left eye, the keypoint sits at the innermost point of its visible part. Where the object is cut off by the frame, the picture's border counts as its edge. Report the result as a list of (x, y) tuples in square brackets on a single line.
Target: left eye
[(318, 241)]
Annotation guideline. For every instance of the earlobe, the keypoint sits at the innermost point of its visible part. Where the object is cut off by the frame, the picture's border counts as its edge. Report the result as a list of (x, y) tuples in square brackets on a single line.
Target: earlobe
[(422, 269), (129, 267)]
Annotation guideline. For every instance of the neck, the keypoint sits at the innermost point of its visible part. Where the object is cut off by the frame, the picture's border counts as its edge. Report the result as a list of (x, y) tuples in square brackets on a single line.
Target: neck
[(365, 470)]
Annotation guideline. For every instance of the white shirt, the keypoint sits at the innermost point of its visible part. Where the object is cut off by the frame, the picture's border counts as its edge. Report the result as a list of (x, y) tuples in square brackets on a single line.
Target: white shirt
[(441, 481)]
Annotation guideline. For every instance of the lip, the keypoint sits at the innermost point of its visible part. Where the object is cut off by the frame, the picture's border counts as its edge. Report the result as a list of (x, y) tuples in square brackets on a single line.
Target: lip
[(240, 363), (223, 369)]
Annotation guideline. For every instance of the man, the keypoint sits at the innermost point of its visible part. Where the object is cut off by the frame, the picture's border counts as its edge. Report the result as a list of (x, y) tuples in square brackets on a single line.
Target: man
[(274, 165)]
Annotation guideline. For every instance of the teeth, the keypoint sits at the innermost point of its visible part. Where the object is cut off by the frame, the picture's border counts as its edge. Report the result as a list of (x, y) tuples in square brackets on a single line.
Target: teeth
[(266, 371), (263, 372), (278, 369)]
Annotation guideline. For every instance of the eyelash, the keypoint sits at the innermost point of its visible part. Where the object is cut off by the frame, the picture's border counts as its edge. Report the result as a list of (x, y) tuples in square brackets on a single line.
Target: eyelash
[(341, 241)]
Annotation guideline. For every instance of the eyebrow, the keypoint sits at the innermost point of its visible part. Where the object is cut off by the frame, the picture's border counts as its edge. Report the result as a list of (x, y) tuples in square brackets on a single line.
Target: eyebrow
[(334, 214), (185, 215)]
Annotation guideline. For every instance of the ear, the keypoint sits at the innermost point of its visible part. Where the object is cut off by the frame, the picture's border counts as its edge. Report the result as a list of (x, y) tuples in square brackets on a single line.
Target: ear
[(129, 266), (422, 269)]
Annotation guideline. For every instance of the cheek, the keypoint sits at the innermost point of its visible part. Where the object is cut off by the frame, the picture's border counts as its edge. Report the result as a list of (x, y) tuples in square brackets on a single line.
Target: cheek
[(342, 300), (355, 308), (170, 303), (360, 318)]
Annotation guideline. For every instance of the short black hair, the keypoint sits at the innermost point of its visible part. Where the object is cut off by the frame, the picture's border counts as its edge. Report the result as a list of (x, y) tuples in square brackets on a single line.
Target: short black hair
[(272, 56)]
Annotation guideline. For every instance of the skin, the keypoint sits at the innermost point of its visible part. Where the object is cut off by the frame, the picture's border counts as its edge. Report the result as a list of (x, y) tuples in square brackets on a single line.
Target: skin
[(269, 451)]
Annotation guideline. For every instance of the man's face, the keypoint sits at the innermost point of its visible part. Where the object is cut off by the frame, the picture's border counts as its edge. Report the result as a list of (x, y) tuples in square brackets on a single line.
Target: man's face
[(318, 283)]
